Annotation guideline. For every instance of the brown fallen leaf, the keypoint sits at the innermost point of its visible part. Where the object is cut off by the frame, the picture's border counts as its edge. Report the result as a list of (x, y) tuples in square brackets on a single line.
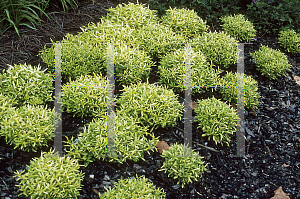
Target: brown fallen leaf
[(162, 145), (285, 165), (279, 194), (297, 79), (95, 191), (194, 105)]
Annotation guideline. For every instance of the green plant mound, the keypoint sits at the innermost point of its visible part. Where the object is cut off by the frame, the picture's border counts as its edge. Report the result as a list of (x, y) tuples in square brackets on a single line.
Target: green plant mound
[(157, 40), (135, 15), (80, 55), (86, 96), (28, 127), (290, 40), (184, 22), (131, 65), (130, 141), (26, 85), (216, 119), (152, 105), (229, 90), (5, 106), (172, 71), (218, 47), (108, 32), (51, 176), (239, 28), (182, 164), (133, 188), (271, 63)]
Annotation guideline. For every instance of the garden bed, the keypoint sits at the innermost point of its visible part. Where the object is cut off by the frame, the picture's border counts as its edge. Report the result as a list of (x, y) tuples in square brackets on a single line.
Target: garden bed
[(272, 131)]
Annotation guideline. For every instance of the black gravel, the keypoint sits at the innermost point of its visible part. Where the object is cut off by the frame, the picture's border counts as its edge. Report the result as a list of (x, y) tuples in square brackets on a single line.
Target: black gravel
[(273, 142)]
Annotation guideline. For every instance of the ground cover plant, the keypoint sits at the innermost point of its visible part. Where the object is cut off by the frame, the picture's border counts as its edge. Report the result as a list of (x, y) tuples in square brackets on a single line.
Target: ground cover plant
[(131, 141), (271, 145), (28, 127), (136, 187), (51, 176), (86, 96), (172, 71), (26, 84), (229, 90), (271, 63)]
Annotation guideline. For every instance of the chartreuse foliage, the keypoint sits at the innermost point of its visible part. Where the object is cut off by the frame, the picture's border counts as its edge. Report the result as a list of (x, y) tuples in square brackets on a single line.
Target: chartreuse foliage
[(218, 47), (5, 105), (130, 141), (229, 90), (28, 127), (131, 64), (172, 71), (271, 63), (26, 85), (51, 176), (152, 105), (86, 96), (216, 119), (290, 40), (80, 55), (186, 168), (157, 40), (239, 28), (135, 15), (134, 188), (184, 22)]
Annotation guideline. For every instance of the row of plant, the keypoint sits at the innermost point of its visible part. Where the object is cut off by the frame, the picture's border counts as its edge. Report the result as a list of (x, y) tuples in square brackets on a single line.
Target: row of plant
[(142, 107), (269, 16)]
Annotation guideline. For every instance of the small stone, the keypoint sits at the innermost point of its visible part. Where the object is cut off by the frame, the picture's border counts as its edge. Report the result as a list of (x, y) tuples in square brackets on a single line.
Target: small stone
[(106, 177), (106, 182), (177, 186)]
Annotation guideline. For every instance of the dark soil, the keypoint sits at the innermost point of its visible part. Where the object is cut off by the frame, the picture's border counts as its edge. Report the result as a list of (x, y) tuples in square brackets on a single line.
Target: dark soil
[(272, 131)]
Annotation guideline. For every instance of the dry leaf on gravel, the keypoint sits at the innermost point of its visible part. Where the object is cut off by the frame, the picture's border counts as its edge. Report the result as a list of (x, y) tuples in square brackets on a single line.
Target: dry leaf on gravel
[(297, 79), (279, 194), (285, 165), (162, 145), (194, 105)]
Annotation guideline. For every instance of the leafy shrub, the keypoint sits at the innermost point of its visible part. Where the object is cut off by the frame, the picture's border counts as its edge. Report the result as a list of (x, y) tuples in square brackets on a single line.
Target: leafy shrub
[(157, 39), (80, 55), (5, 106), (229, 94), (185, 169), (86, 53), (153, 106), (130, 141), (239, 28), (172, 71), (217, 120), (131, 65), (26, 85), (28, 127), (135, 15), (136, 187), (209, 10), (271, 63), (86, 96), (290, 40), (271, 17), (219, 48), (51, 176), (184, 22)]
